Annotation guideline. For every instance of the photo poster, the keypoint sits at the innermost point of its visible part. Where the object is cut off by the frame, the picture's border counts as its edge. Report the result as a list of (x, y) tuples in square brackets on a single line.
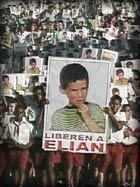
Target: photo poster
[(22, 83), (122, 91), (39, 65), (34, 80), (94, 52), (134, 28), (8, 86), (128, 74), (111, 56), (132, 63), (66, 34), (98, 92)]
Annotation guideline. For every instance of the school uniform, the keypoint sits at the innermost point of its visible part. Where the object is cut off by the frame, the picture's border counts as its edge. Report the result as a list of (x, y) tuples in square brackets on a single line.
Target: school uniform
[(130, 144), (21, 133), (114, 148), (34, 70)]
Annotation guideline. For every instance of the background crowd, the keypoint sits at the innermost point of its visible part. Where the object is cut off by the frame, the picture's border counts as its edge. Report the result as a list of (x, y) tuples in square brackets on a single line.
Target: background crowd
[(31, 32)]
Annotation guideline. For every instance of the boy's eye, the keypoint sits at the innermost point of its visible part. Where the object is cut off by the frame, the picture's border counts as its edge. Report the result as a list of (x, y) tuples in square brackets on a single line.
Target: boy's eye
[(116, 104), (85, 88), (20, 112)]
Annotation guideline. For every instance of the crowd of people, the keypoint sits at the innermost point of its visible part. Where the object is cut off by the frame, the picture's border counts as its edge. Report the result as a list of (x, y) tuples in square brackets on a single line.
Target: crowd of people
[(31, 33)]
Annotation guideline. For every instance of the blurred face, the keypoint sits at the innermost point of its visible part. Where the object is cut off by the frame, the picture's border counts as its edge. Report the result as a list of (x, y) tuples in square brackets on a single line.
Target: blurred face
[(22, 28), (130, 66), (81, 33), (88, 55), (39, 95), (116, 93), (12, 107), (128, 112), (64, 35), (121, 75), (80, 14), (115, 106), (7, 28), (61, 25), (20, 113), (2, 109), (136, 80), (44, 26), (80, 23), (76, 92), (33, 65), (6, 81), (33, 27)]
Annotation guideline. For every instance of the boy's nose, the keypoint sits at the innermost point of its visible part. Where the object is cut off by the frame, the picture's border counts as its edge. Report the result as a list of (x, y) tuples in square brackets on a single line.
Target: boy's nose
[(79, 93)]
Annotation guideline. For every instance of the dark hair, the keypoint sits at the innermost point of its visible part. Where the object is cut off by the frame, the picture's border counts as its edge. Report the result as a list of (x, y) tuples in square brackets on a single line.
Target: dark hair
[(19, 106), (115, 90), (34, 78), (136, 72), (5, 76), (126, 105), (88, 51), (72, 73), (38, 88), (13, 100), (32, 60), (64, 32), (128, 63), (115, 97), (119, 71)]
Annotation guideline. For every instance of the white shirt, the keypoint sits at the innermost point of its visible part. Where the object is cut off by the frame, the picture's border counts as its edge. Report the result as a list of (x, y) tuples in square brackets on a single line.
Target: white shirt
[(22, 36), (113, 134), (133, 124), (131, 93), (66, 14), (32, 114), (20, 131)]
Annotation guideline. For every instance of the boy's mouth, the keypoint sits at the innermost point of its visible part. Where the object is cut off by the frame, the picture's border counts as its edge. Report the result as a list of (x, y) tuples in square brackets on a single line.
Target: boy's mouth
[(80, 100)]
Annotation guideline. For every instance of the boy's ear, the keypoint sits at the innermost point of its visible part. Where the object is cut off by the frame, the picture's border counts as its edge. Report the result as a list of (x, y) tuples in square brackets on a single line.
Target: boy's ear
[(63, 91)]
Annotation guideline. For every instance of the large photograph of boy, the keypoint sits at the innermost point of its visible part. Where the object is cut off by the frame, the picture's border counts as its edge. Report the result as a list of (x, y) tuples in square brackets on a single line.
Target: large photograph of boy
[(78, 114), (76, 97)]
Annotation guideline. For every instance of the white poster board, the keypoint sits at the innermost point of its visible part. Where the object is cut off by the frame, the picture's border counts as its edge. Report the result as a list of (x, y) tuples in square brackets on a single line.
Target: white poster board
[(127, 73), (98, 92), (111, 56)]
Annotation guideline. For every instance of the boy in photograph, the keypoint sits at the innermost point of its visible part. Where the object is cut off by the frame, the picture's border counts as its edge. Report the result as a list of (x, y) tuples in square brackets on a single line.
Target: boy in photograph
[(88, 54), (121, 79), (78, 115), (129, 64), (33, 69), (6, 82)]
